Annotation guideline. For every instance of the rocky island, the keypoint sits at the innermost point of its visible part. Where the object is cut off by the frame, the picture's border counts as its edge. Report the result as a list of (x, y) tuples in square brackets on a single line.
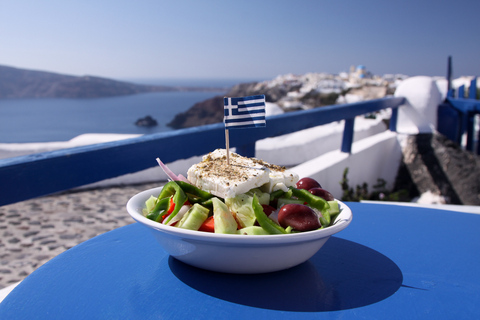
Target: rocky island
[(146, 121)]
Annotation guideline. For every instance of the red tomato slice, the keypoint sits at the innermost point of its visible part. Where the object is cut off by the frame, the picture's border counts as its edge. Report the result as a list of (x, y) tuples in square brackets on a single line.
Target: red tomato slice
[(208, 225)]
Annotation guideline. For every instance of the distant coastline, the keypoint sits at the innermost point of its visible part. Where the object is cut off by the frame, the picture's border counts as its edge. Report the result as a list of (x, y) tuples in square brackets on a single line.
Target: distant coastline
[(23, 83), (224, 84)]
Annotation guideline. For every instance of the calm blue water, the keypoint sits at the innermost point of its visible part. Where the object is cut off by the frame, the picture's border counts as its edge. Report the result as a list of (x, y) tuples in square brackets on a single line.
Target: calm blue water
[(44, 120)]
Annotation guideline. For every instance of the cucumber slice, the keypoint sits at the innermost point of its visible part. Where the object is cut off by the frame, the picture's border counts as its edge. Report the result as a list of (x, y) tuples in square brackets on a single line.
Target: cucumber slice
[(253, 231), (194, 218)]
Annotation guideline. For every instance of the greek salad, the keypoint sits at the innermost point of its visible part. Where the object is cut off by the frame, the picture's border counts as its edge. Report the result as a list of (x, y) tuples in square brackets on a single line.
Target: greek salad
[(304, 206)]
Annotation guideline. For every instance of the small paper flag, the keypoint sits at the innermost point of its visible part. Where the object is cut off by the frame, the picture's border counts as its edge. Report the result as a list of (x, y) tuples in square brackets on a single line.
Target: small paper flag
[(244, 112)]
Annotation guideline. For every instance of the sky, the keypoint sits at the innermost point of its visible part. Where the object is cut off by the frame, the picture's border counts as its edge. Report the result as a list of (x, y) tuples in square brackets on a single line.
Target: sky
[(240, 39)]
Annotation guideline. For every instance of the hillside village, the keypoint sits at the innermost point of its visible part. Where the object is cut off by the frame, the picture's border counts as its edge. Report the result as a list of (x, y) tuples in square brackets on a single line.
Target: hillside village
[(317, 89), (298, 92)]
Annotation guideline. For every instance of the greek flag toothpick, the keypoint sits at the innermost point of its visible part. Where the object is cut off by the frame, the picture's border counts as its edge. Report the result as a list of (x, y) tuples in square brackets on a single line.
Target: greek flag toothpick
[(243, 112)]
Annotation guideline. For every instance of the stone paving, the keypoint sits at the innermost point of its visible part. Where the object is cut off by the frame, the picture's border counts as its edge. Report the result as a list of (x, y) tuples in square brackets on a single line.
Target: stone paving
[(34, 231)]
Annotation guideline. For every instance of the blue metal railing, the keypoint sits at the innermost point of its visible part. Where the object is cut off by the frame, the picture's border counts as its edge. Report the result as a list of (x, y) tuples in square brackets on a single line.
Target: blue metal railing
[(30, 176), (456, 116)]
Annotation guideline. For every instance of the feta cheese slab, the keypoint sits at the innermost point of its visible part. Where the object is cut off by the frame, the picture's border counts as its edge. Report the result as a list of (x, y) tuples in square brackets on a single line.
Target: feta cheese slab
[(243, 174), (280, 179), (214, 175)]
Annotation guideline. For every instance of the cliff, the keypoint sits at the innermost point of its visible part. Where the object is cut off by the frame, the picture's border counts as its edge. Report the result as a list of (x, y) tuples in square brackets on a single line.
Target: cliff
[(202, 113), (211, 110), (433, 164)]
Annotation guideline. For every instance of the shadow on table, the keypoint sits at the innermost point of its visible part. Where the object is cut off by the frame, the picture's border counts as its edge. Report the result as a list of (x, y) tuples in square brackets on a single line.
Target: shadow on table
[(342, 275)]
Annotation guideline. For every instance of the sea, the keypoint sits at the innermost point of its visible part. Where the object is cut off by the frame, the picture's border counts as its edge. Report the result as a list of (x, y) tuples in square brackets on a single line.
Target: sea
[(59, 119)]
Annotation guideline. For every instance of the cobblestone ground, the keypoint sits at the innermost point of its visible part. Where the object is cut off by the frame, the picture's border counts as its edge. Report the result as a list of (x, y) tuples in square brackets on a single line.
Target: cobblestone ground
[(34, 231)]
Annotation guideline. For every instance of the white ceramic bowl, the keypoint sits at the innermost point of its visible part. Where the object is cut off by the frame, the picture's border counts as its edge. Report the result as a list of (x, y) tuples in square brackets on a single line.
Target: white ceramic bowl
[(233, 253)]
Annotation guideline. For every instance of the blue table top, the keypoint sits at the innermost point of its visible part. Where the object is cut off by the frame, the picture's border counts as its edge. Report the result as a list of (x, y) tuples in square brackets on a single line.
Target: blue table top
[(392, 262)]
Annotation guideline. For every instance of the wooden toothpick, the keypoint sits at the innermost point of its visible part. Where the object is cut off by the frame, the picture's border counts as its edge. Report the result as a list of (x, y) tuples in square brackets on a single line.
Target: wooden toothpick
[(227, 144)]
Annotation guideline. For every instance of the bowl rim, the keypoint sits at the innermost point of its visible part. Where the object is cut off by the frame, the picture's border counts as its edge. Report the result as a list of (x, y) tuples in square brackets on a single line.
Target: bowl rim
[(136, 204)]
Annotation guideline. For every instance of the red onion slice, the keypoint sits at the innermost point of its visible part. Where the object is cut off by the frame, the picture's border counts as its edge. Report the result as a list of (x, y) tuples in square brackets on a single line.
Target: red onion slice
[(170, 173)]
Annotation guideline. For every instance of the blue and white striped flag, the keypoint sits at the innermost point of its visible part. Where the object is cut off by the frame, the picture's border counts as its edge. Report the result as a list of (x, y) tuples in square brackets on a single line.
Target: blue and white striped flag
[(244, 112)]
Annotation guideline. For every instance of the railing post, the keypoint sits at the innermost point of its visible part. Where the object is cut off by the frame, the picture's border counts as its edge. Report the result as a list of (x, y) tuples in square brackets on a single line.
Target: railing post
[(470, 130), (450, 90), (348, 135), (472, 94), (449, 74), (393, 120), (461, 92), (472, 91)]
